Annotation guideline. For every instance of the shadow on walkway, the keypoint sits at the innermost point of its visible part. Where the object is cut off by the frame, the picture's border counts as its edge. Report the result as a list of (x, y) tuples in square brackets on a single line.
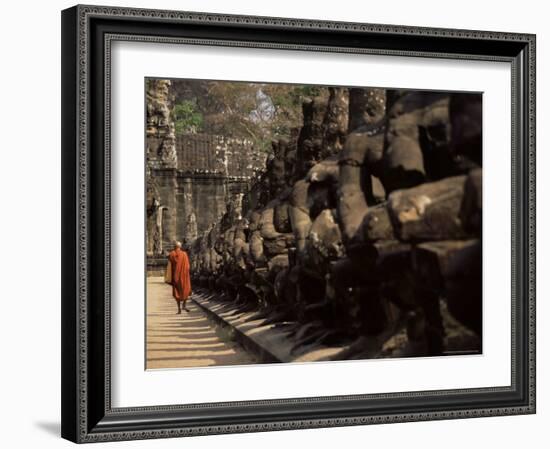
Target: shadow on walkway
[(186, 340)]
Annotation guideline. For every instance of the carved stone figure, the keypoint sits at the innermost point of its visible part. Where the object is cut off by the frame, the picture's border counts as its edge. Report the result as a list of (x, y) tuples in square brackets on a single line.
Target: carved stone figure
[(366, 222), (335, 122)]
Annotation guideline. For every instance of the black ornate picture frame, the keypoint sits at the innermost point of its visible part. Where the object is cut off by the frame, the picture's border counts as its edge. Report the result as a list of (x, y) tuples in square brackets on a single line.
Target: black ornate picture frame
[(87, 34)]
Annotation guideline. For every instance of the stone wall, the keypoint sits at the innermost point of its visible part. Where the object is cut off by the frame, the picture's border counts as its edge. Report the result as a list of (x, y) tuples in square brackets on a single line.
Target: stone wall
[(211, 154), (192, 179), (161, 138), (161, 162)]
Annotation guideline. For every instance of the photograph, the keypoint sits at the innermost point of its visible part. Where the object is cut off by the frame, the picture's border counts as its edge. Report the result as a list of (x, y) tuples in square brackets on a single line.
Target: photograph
[(298, 223)]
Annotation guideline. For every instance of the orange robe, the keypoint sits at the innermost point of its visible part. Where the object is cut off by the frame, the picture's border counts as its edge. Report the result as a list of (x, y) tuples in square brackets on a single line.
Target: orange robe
[(181, 281)]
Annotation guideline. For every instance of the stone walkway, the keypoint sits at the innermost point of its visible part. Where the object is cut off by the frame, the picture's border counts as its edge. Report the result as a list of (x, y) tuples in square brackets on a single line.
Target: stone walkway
[(186, 340)]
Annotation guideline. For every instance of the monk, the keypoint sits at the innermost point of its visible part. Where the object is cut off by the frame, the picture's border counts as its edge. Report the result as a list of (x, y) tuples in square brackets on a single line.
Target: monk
[(181, 281)]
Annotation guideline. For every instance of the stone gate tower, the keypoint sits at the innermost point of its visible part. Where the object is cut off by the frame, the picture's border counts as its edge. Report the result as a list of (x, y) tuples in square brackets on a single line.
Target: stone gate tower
[(190, 178)]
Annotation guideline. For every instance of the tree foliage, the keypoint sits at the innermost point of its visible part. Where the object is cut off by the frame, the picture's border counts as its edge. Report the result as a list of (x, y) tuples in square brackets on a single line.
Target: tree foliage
[(187, 118), (256, 111)]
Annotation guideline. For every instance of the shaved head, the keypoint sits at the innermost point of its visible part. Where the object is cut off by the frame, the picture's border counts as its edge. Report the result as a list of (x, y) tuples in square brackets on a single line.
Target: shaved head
[(177, 244)]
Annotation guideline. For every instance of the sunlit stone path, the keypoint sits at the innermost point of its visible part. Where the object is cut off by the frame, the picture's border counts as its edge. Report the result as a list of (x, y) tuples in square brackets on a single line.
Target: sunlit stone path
[(186, 340)]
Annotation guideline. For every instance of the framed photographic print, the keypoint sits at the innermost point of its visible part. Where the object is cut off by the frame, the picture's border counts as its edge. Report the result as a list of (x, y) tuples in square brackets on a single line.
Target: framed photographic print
[(305, 223)]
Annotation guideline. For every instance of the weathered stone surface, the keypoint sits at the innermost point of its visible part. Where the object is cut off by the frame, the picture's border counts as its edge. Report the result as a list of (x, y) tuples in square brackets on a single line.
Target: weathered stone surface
[(320, 196), (366, 107), (429, 211), (335, 122), (212, 154), (278, 263), (327, 170), (277, 245), (391, 257), (276, 168), (378, 192), (310, 139), (432, 261), (463, 286), (346, 273), (161, 139), (466, 129), (256, 243), (154, 219), (417, 138), (362, 149), (300, 219), (266, 225), (161, 154), (324, 241), (359, 225), (472, 203), (453, 269), (376, 225), (241, 247), (281, 217), (403, 164)]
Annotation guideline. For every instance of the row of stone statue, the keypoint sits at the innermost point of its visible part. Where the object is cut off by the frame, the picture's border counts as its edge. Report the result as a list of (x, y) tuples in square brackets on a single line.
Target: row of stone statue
[(366, 222)]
